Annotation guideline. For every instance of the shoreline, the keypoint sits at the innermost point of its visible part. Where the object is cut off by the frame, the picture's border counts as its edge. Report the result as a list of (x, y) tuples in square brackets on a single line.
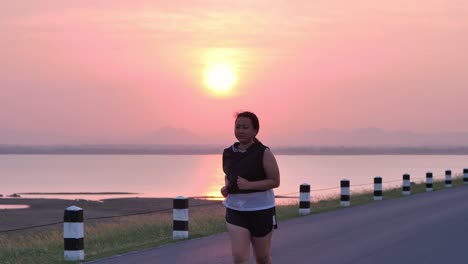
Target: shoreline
[(95, 196), (42, 211), (75, 193), (217, 150)]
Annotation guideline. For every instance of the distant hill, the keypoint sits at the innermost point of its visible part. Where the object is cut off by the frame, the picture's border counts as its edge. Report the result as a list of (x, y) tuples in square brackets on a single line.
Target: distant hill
[(170, 137), (216, 150)]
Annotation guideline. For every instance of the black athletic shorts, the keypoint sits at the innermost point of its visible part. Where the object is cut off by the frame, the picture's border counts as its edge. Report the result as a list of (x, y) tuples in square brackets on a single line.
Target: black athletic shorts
[(259, 223)]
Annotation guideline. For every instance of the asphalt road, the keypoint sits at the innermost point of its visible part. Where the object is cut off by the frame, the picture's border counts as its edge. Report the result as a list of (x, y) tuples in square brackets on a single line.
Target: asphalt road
[(424, 228)]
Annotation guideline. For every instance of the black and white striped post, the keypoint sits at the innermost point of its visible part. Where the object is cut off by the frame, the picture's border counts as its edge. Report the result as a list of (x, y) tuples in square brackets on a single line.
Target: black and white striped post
[(406, 184), (73, 234), (428, 181), (378, 188), (448, 179), (304, 199), (180, 218), (465, 176), (345, 201)]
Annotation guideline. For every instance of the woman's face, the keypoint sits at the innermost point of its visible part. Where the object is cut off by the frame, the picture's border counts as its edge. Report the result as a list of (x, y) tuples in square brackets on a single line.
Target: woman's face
[(244, 130)]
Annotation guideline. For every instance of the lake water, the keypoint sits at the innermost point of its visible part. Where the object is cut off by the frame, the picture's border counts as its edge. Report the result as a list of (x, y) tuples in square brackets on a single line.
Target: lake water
[(13, 206), (201, 175)]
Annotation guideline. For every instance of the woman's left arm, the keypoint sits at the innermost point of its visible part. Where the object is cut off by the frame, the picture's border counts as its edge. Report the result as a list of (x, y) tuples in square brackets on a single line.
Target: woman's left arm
[(272, 175)]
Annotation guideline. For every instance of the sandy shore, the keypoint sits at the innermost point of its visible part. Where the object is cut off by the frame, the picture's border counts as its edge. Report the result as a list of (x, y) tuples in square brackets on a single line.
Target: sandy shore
[(45, 211)]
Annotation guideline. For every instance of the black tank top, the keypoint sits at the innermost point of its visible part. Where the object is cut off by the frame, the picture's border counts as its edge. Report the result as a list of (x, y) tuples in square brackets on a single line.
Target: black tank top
[(248, 165)]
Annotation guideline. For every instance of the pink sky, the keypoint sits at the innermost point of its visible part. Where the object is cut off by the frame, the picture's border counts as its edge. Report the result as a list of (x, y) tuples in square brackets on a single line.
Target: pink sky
[(117, 71)]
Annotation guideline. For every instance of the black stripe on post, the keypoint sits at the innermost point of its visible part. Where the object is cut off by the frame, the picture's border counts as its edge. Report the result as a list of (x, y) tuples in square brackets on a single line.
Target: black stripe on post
[(406, 176), (304, 188), (345, 198), (378, 193), (180, 225), (448, 172), (73, 216), (180, 203), (344, 183), (304, 205), (73, 243), (378, 180)]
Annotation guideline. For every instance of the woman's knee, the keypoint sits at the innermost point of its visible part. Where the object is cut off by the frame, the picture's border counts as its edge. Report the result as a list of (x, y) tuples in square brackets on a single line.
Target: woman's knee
[(266, 259), (240, 258)]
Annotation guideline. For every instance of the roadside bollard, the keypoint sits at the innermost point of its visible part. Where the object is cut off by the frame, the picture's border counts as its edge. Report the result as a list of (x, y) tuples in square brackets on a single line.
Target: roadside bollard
[(465, 176), (180, 217), (73, 233), (304, 199), (406, 184), (378, 189), (429, 182), (345, 201), (448, 179)]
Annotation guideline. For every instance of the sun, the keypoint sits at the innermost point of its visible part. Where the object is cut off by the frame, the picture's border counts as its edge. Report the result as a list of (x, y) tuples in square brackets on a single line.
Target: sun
[(220, 78)]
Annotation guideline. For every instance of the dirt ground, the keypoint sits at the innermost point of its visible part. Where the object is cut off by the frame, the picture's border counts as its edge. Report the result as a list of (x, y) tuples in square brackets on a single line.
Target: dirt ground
[(45, 211)]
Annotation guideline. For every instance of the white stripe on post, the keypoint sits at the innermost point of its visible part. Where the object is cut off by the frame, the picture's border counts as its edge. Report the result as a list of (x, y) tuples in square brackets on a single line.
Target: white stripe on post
[(429, 182), (465, 176), (304, 199), (448, 179), (345, 193), (180, 218), (406, 184), (378, 188), (73, 234)]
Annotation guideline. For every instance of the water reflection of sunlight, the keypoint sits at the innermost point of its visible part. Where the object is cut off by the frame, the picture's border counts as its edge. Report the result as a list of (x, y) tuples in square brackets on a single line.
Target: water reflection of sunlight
[(216, 179), (210, 178)]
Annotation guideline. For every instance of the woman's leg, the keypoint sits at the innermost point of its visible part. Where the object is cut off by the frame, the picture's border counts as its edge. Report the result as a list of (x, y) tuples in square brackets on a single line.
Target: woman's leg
[(240, 243), (261, 248)]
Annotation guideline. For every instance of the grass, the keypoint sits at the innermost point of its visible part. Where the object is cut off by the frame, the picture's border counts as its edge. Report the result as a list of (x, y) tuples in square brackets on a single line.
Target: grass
[(114, 236)]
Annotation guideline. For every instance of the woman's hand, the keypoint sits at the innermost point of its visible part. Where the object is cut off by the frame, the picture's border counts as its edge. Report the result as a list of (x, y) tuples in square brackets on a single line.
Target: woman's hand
[(224, 191), (242, 183)]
